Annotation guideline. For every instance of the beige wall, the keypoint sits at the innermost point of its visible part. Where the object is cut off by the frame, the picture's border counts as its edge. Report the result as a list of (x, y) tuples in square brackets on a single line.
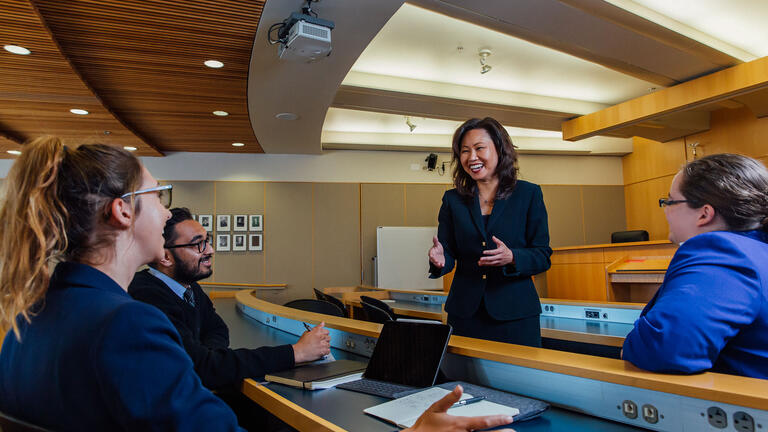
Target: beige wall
[(324, 234)]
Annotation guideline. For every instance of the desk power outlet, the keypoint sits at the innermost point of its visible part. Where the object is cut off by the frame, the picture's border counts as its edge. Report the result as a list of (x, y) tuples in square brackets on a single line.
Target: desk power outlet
[(592, 314), (629, 409), (717, 417)]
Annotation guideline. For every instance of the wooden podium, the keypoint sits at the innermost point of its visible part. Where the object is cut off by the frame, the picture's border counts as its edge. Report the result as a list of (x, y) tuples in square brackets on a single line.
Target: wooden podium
[(635, 278)]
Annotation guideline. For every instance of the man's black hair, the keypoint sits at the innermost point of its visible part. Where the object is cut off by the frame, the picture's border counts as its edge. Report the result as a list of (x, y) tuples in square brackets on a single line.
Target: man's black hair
[(178, 214)]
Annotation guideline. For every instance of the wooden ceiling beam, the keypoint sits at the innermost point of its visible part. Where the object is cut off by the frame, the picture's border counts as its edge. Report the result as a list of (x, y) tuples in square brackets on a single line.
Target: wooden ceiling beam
[(392, 102), (702, 94)]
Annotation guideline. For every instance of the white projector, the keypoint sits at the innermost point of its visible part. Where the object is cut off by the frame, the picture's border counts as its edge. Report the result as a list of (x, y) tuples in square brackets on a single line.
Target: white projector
[(306, 42)]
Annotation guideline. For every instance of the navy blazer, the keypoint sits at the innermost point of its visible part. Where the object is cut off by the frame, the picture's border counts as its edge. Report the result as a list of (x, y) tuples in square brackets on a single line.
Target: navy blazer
[(205, 336), (520, 221), (711, 312), (95, 359)]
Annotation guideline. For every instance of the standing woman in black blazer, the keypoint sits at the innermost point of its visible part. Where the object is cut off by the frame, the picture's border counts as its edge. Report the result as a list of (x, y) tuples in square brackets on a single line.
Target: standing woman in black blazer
[(493, 227)]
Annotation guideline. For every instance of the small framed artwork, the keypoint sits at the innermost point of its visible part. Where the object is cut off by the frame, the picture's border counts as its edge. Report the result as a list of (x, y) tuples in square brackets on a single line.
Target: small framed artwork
[(256, 223), (238, 242), (222, 223), (222, 242), (241, 223), (206, 221), (254, 242)]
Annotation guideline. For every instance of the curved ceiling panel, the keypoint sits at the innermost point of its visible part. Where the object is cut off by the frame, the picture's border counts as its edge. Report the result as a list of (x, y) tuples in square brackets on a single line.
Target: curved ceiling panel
[(145, 60), (38, 90)]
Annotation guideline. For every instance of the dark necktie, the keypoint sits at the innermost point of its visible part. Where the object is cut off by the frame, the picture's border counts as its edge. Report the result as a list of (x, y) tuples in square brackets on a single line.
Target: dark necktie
[(189, 297)]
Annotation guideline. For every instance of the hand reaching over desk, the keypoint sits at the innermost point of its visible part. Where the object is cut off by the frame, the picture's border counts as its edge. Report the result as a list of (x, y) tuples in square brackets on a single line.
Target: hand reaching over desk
[(436, 419), (436, 255)]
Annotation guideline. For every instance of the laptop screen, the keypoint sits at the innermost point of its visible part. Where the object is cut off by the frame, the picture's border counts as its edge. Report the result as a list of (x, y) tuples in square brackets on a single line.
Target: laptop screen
[(408, 353)]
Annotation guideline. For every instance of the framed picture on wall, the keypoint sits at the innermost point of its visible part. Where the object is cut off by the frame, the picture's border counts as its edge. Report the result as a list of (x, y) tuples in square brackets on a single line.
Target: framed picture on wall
[(238, 242), (254, 242), (222, 223), (222, 242), (256, 223), (206, 221), (241, 223)]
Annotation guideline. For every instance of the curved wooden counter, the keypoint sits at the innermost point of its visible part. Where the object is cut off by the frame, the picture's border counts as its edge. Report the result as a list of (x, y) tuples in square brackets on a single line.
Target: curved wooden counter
[(727, 389)]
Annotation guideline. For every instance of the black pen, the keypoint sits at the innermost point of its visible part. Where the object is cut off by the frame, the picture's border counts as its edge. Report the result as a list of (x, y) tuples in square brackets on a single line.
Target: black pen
[(468, 401)]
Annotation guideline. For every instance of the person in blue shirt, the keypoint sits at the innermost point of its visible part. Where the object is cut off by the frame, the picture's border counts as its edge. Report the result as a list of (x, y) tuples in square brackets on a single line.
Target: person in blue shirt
[(711, 311), (81, 353)]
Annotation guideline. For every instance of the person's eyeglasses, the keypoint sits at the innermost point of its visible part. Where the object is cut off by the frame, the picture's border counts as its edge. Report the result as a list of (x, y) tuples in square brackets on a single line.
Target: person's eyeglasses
[(164, 192), (663, 202), (201, 245)]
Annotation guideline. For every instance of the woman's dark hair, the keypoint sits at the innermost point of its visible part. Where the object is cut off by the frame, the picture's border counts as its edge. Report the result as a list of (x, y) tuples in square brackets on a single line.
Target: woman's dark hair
[(735, 186), (506, 169), (57, 200)]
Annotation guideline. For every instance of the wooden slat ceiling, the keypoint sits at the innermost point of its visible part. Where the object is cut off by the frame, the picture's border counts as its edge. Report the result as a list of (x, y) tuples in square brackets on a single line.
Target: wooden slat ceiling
[(145, 60), (38, 90)]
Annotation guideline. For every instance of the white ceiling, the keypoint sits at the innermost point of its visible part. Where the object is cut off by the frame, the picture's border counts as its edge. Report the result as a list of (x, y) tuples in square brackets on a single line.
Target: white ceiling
[(552, 60), (736, 27)]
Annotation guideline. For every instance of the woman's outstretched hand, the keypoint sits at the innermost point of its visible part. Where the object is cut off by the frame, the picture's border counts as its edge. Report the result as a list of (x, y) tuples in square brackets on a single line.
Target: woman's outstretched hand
[(436, 254)]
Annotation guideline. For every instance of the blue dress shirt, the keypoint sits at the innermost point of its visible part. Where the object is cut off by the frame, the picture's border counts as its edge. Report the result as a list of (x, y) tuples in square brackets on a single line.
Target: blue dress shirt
[(711, 312), (176, 287)]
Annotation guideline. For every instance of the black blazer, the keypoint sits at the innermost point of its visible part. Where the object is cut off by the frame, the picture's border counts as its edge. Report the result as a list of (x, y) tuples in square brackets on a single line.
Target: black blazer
[(520, 221), (206, 337)]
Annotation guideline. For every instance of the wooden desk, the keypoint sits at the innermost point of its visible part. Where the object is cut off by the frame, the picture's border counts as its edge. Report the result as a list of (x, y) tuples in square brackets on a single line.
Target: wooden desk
[(586, 384), (335, 410), (579, 272)]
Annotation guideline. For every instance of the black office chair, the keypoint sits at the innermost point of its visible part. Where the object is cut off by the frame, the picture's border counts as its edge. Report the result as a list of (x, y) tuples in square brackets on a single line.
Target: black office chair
[(629, 236), (319, 294), (330, 299), (11, 424), (380, 305), (377, 315), (319, 306)]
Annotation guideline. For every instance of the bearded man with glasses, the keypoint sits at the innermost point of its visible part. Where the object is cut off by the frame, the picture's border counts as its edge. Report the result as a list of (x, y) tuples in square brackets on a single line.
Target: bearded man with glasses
[(170, 284)]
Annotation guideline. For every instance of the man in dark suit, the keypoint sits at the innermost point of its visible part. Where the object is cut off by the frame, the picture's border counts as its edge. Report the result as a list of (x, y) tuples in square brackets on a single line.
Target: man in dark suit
[(171, 285)]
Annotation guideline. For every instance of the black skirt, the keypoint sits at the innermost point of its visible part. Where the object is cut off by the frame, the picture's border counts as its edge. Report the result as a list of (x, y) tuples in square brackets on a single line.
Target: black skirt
[(524, 331)]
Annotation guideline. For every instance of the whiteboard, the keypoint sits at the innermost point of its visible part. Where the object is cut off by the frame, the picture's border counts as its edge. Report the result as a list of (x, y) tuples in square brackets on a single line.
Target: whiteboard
[(401, 258)]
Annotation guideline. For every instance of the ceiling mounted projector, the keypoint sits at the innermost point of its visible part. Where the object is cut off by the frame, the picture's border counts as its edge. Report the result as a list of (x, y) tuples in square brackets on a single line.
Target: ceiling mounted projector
[(303, 37)]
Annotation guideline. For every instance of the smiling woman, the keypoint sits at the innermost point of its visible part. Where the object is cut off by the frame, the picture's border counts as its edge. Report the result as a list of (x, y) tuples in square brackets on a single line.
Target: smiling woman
[(493, 227)]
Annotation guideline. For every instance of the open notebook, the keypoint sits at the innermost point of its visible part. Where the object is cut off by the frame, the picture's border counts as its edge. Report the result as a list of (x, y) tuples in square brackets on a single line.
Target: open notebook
[(406, 410)]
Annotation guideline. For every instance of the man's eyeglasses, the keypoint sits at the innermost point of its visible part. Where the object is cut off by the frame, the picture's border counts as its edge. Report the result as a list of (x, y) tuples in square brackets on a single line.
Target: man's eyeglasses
[(164, 192), (201, 245), (663, 202)]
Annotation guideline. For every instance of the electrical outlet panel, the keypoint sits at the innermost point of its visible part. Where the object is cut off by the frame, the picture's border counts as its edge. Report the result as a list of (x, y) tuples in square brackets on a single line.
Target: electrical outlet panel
[(717, 417)]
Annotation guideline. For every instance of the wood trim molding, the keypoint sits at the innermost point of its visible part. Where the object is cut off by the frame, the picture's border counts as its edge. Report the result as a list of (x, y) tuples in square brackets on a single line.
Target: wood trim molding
[(747, 392), (287, 411), (593, 303), (735, 81), (613, 245), (244, 285)]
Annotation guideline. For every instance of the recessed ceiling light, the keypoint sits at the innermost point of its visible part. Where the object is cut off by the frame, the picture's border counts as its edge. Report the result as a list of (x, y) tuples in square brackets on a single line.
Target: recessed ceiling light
[(213, 64), (286, 116), (78, 111), (220, 113), (237, 144), (14, 152), (130, 148), (17, 49)]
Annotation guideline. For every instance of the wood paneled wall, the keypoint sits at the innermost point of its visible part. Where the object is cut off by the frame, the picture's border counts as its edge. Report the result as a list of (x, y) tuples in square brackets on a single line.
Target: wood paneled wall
[(648, 173), (649, 169), (324, 234)]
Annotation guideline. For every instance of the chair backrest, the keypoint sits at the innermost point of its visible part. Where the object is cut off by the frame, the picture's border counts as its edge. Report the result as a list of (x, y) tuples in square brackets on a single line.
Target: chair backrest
[(629, 236), (319, 294), (375, 314), (319, 306), (11, 424), (379, 304), (334, 300)]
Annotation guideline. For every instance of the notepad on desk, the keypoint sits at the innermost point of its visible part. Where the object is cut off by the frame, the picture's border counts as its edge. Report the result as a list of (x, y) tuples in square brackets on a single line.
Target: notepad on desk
[(404, 411), (317, 376)]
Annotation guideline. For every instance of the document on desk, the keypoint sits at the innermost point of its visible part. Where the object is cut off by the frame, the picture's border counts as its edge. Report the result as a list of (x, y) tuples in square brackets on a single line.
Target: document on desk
[(406, 410)]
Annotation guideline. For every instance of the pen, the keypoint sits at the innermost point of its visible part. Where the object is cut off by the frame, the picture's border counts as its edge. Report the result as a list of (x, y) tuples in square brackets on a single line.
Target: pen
[(468, 401), (306, 326)]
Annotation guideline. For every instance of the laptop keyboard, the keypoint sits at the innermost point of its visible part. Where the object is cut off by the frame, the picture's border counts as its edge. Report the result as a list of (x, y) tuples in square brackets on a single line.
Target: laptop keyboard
[(374, 387)]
